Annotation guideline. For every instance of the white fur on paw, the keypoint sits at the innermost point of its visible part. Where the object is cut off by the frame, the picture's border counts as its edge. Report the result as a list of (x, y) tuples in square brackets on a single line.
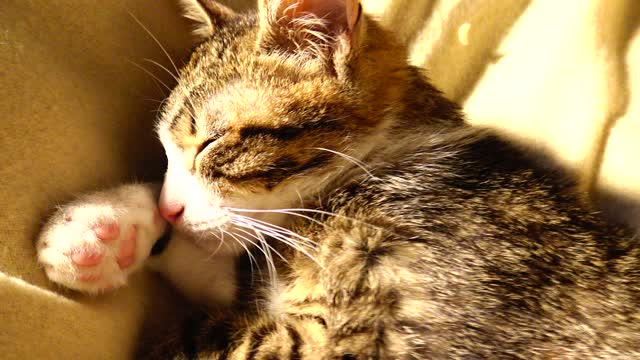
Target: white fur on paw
[(93, 244)]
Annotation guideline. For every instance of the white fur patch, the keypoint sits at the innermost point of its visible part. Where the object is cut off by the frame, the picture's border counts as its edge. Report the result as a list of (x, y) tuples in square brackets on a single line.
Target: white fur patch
[(71, 229), (194, 11)]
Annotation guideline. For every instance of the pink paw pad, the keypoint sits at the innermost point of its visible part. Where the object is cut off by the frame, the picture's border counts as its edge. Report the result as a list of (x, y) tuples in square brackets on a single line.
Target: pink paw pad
[(107, 232), (126, 252), (82, 257), (89, 278)]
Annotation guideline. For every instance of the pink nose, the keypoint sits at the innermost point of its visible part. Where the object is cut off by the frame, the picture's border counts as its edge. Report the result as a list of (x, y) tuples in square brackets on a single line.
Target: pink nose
[(171, 212)]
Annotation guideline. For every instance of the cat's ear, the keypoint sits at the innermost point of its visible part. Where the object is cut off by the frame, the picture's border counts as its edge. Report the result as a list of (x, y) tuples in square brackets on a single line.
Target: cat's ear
[(207, 16), (318, 28)]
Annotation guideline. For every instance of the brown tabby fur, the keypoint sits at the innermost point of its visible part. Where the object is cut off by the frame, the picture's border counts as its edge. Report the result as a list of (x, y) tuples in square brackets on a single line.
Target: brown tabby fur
[(453, 244)]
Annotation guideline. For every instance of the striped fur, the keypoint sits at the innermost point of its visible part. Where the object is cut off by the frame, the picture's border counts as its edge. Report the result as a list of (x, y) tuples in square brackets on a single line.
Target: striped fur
[(433, 239)]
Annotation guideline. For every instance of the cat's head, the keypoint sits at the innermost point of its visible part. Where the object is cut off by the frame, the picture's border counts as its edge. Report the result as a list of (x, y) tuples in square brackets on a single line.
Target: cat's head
[(272, 107)]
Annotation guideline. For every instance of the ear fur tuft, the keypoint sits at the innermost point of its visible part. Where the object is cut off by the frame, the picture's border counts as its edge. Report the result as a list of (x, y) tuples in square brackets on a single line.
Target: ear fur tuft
[(307, 27), (207, 16)]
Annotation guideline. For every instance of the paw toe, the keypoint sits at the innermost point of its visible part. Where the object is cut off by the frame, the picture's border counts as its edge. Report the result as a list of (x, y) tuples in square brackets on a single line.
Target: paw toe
[(126, 252), (88, 278), (107, 232), (86, 257)]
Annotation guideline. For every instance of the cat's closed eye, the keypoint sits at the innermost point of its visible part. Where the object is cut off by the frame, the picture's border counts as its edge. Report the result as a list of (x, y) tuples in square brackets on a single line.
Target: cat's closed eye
[(210, 140)]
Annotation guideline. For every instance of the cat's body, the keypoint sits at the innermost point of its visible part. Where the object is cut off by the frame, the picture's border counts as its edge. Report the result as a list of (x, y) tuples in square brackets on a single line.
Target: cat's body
[(411, 234)]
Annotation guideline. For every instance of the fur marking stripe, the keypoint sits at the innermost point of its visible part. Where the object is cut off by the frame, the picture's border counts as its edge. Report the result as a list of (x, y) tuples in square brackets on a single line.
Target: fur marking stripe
[(296, 340), (257, 338)]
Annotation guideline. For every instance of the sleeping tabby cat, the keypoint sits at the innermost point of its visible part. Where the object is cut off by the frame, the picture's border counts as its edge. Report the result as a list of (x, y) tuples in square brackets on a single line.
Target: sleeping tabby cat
[(328, 203)]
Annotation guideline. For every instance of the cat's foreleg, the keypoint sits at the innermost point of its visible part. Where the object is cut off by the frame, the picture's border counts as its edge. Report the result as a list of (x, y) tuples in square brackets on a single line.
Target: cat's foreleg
[(205, 278), (242, 336), (372, 290), (94, 243), (363, 303)]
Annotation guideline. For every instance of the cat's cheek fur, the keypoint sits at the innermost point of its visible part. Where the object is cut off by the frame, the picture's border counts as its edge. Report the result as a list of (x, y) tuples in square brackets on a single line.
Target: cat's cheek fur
[(202, 207), (202, 278), (205, 209)]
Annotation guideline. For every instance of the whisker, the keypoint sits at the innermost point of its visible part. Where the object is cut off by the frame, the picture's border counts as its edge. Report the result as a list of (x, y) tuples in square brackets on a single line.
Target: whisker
[(166, 53), (293, 212), (221, 238), (282, 234), (162, 67), (212, 255), (163, 102), (156, 41), (154, 101), (283, 230), (279, 211), (269, 258), (287, 241), (252, 259), (190, 111), (350, 158), (284, 239), (273, 272), (300, 197), (150, 74), (260, 238)]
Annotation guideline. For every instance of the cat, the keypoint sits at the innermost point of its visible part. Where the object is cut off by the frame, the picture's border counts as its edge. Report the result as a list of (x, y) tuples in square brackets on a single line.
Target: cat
[(327, 202)]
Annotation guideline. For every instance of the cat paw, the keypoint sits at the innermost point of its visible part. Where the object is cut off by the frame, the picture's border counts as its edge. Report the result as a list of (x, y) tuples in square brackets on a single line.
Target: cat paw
[(95, 243)]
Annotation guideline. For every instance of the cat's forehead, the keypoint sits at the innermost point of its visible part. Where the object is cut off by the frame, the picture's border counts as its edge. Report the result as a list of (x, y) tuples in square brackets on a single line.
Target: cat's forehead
[(253, 91), (241, 102)]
